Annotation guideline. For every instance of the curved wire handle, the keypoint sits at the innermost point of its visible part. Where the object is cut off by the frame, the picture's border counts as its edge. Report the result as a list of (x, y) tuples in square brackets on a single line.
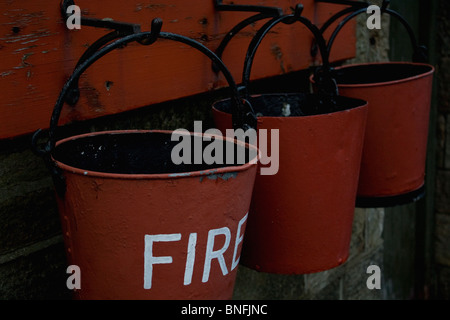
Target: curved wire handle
[(263, 12), (235, 30), (420, 52), (326, 84), (240, 113), (146, 38)]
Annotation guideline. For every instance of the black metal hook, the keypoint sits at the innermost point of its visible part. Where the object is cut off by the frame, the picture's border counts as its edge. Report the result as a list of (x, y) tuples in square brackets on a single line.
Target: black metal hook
[(298, 10), (58, 178), (128, 28), (155, 30)]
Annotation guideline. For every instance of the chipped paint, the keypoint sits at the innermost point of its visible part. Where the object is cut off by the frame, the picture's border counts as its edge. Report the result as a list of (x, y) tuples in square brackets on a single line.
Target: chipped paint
[(158, 6), (184, 174), (5, 74), (22, 49), (210, 174), (93, 97), (224, 176), (108, 85), (24, 62)]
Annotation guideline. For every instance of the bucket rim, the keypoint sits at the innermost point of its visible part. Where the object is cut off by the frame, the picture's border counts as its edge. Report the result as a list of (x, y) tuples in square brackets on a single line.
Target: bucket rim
[(364, 104), (384, 83), (155, 176)]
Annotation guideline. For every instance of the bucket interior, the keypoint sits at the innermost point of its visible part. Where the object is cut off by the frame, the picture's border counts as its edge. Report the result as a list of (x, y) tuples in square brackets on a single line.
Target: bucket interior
[(293, 105), (379, 72), (148, 153)]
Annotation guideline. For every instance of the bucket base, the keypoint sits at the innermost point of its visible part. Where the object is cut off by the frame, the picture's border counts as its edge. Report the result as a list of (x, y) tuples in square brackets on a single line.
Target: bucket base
[(390, 201)]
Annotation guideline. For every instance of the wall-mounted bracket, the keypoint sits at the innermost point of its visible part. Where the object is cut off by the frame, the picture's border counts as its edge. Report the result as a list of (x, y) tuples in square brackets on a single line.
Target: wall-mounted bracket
[(124, 27)]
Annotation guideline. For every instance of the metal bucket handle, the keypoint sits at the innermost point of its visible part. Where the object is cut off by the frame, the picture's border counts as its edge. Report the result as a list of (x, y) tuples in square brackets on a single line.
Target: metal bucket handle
[(420, 52), (327, 87), (242, 111)]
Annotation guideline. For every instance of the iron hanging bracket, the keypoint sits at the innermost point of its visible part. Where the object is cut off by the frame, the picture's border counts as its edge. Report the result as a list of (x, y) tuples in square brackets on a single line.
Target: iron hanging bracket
[(241, 108), (124, 27)]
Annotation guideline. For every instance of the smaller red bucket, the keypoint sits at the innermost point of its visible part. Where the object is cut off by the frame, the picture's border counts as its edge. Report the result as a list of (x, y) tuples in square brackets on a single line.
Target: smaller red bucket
[(301, 217), (399, 96), (395, 144)]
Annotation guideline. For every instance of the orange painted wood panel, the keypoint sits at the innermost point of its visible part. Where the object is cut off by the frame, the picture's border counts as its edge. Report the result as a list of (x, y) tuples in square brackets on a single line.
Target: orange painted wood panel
[(38, 53)]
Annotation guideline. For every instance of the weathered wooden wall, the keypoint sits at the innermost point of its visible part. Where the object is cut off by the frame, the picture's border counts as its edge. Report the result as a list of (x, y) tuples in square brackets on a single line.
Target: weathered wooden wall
[(38, 53)]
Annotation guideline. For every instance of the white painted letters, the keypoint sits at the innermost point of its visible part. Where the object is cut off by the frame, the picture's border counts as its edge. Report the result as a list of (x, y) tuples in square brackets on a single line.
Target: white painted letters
[(218, 254), (218, 247), (190, 259), (150, 260), (239, 239)]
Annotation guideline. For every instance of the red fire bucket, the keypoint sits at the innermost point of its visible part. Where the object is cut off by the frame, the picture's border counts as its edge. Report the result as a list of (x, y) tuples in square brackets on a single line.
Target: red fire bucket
[(137, 224), (139, 227), (300, 219), (395, 144)]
